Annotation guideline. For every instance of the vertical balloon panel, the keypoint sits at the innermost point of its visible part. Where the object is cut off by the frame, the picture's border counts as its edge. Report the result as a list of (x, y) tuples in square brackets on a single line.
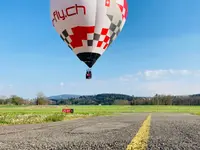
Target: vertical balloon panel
[(123, 5)]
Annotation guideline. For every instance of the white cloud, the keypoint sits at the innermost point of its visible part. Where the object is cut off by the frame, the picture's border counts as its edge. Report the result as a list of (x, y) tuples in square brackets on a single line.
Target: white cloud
[(10, 86), (127, 78), (178, 82), (62, 84), (144, 83), (163, 74), (179, 87)]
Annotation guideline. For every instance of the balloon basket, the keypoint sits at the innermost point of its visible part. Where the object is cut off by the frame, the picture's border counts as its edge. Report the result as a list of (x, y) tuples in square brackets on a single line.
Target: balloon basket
[(88, 74)]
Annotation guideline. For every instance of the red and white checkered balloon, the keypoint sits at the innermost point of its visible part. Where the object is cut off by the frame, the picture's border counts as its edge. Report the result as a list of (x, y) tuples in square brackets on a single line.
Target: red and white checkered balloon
[(88, 27)]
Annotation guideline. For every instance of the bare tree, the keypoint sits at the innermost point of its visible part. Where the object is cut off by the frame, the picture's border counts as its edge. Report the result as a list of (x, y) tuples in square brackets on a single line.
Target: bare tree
[(41, 99)]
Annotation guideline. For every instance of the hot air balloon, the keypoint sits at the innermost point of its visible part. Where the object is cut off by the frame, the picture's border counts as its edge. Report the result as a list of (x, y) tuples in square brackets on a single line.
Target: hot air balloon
[(88, 27)]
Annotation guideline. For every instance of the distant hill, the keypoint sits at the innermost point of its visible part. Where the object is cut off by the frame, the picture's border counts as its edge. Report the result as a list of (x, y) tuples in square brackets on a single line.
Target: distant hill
[(63, 96), (194, 95), (70, 96), (105, 98)]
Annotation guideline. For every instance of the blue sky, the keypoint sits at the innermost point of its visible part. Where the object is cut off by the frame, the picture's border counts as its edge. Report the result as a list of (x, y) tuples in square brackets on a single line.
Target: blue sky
[(158, 51)]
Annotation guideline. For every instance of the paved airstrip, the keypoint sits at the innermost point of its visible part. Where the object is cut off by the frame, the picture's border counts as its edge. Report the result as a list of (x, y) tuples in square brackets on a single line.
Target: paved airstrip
[(137, 131)]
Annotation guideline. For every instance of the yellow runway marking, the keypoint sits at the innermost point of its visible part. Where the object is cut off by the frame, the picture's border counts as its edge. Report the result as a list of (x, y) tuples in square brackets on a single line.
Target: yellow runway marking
[(140, 141)]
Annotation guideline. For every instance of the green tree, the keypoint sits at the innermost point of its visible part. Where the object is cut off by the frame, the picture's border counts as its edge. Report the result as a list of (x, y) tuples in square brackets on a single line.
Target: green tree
[(16, 100)]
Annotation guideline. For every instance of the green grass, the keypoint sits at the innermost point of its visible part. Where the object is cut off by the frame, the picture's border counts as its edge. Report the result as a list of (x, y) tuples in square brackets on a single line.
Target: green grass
[(42, 114)]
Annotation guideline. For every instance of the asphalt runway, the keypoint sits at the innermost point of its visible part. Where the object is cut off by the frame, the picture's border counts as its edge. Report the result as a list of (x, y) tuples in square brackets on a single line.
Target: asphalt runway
[(156, 131), (171, 131)]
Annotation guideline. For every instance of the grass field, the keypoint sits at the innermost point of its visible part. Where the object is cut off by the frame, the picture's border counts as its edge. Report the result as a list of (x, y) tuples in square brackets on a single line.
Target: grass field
[(41, 114)]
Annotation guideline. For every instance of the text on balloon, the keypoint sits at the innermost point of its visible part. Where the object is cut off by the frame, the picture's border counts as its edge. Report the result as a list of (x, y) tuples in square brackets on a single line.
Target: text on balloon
[(68, 12)]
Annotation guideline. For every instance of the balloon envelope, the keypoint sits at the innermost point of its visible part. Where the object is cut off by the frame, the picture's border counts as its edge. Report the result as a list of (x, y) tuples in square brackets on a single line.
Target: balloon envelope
[(88, 26)]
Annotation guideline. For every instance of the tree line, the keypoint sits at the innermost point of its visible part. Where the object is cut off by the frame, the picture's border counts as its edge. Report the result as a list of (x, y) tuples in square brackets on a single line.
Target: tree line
[(40, 99), (105, 99)]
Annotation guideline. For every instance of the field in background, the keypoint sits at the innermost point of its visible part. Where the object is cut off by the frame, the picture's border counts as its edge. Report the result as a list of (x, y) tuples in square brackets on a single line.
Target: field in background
[(41, 114)]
